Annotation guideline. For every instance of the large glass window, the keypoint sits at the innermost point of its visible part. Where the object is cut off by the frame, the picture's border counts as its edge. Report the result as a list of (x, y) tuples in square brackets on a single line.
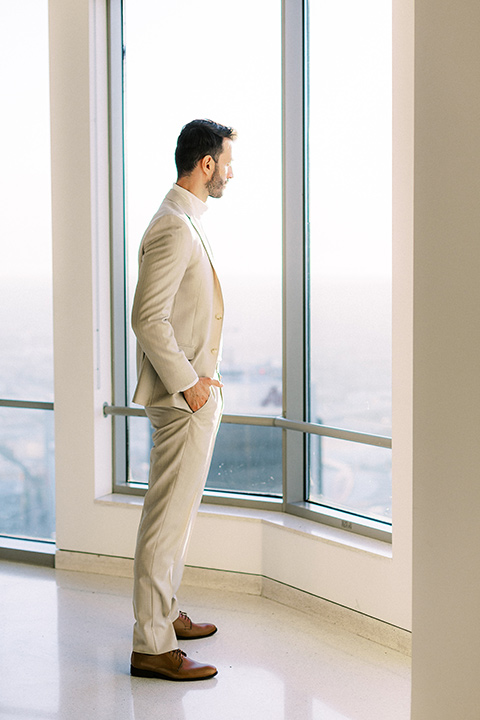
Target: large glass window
[(350, 188), (26, 347), (187, 60), (308, 87)]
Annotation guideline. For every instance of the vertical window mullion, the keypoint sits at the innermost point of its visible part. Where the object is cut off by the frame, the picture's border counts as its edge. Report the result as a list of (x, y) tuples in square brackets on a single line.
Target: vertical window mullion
[(294, 235), (117, 224)]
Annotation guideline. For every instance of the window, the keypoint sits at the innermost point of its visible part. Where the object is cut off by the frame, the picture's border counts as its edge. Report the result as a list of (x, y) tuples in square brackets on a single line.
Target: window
[(244, 228), (302, 239), (350, 188), (26, 350)]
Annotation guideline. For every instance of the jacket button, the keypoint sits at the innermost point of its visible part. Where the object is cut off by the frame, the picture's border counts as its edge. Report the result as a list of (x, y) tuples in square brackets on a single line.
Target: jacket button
[(213, 351), (219, 316)]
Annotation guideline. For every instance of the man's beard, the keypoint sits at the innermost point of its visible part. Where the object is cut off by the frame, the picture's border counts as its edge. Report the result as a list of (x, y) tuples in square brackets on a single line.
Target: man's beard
[(215, 186)]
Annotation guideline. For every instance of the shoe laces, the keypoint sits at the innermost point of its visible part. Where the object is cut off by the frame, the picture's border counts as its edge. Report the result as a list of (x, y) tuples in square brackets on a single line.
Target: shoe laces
[(178, 655), (185, 618)]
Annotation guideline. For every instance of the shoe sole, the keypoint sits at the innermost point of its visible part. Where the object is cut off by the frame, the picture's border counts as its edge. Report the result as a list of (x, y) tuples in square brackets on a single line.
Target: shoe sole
[(136, 672), (195, 637)]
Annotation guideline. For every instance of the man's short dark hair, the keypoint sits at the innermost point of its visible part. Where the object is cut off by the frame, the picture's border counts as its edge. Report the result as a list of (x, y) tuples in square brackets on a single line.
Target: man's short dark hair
[(198, 139)]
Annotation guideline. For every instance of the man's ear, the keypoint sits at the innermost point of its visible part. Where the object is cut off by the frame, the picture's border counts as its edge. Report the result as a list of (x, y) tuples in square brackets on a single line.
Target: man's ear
[(207, 163)]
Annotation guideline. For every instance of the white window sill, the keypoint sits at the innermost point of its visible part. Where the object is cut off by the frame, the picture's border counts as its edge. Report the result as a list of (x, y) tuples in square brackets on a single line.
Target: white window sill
[(290, 523)]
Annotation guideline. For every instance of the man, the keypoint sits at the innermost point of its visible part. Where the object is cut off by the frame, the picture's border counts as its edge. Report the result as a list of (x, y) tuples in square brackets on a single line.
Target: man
[(177, 317)]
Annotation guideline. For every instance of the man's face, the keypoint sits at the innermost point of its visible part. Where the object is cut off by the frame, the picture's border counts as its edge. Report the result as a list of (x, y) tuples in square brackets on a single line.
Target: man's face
[(223, 171)]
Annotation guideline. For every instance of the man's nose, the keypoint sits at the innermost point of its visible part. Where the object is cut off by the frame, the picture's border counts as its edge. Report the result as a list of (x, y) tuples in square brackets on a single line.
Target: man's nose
[(230, 173)]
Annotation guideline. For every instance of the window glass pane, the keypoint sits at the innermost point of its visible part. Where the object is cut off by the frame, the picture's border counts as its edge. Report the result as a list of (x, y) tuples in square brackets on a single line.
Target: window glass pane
[(170, 80), (351, 476), (27, 491), (139, 446), (26, 337), (26, 347), (247, 456), (349, 146)]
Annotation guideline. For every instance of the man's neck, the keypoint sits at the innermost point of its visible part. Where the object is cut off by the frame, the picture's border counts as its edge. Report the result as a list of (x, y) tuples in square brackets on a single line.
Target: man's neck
[(193, 185)]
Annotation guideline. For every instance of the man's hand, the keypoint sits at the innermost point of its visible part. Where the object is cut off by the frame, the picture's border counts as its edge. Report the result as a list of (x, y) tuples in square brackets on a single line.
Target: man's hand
[(198, 394)]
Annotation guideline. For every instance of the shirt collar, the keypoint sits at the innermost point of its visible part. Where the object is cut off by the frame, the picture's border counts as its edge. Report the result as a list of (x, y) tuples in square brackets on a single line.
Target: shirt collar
[(197, 206)]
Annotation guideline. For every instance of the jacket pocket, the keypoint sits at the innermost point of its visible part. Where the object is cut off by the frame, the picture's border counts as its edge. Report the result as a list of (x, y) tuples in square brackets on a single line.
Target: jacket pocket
[(188, 350)]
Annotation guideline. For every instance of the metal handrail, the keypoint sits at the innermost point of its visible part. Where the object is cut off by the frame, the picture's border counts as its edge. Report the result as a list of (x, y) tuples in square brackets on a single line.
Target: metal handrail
[(275, 421), (27, 404), (262, 420)]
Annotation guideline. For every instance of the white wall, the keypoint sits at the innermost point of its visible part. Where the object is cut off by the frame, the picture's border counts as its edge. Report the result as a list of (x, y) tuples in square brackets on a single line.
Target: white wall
[(365, 576), (446, 419)]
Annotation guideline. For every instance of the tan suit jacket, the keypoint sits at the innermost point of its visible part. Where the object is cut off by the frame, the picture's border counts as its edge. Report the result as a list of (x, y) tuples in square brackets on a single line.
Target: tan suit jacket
[(177, 311)]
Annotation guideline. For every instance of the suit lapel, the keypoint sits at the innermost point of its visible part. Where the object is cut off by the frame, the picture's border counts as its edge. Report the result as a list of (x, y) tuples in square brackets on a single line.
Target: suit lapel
[(208, 250), (203, 239)]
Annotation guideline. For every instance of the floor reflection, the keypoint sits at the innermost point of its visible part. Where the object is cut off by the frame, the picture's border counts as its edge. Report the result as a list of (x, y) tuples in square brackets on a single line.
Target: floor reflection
[(66, 641)]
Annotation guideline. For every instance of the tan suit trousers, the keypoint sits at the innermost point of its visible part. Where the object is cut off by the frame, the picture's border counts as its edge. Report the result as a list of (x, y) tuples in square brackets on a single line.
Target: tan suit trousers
[(179, 464)]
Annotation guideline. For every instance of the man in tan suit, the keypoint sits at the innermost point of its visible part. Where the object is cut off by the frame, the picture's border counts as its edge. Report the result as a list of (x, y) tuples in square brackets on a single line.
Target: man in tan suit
[(177, 318)]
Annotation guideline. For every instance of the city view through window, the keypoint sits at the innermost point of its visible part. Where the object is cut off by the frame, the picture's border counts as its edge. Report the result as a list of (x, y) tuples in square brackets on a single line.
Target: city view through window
[(350, 221), (26, 348)]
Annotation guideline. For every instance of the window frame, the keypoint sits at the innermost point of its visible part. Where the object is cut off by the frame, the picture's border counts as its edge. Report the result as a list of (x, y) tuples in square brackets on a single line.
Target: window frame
[(295, 283)]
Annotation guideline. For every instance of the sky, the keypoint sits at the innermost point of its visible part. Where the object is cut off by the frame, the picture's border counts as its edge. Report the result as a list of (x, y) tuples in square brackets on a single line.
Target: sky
[(25, 216)]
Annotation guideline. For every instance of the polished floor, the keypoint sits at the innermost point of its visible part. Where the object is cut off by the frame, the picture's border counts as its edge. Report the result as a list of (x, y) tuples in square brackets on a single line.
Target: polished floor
[(65, 643)]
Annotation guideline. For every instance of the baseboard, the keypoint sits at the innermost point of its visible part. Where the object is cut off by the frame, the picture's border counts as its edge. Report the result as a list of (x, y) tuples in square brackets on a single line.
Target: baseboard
[(96, 564), (357, 623), (223, 580), (32, 552)]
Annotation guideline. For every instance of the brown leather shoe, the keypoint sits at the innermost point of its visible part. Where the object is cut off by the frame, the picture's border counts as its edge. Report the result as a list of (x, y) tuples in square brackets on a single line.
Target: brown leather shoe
[(173, 665), (185, 629)]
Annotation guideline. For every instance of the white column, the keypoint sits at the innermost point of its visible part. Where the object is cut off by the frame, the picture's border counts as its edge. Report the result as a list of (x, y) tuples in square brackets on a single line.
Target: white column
[(446, 409), (79, 128)]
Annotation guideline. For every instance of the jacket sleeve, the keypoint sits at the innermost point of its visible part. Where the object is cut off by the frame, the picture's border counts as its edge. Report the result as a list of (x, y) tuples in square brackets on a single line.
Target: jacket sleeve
[(165, 255)]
